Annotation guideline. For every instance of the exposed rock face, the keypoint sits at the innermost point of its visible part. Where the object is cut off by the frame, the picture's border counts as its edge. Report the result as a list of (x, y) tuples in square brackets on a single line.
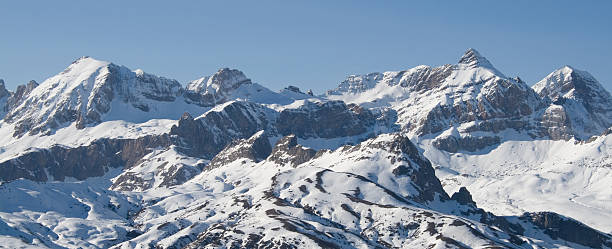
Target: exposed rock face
[(83, 93), (467, 143), (256, 149), (326, 120), (422, 174), (559, 227), (80, 162), (209, 91), (288, 152), (206, 136)]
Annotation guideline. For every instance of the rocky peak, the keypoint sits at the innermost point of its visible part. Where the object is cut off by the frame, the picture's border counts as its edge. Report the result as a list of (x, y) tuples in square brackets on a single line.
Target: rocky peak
[(473, 59), (288, 152), (3, 91), (215, 89), (579, 103)]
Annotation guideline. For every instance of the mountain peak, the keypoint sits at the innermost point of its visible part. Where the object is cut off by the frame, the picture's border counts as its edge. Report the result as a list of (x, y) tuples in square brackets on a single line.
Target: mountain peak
[(571, 83), (226, 78), (473, 59), (223, 80)]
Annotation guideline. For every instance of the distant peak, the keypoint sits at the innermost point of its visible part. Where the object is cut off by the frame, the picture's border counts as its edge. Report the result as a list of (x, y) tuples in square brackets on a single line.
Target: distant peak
[(85, 63), (473, 59), (223, 80), (228, 77)]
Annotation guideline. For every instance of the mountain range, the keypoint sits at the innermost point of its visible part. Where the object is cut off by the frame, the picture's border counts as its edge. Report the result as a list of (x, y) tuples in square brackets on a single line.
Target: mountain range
[(458, 155)]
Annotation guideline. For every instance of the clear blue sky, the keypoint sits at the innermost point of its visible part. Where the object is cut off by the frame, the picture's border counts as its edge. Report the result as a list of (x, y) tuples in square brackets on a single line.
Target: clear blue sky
[(310, 44)]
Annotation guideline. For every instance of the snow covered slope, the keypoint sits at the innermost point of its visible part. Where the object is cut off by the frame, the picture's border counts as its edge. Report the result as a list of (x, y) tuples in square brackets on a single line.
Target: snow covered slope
[(388, 198)]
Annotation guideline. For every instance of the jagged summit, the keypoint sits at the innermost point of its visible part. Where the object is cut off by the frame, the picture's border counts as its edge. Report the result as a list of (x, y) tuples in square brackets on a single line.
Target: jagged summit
[(473, 59)]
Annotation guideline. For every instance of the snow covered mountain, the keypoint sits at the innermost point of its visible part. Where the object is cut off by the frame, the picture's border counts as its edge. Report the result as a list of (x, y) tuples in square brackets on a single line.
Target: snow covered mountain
[(579, 99), (101, 156)]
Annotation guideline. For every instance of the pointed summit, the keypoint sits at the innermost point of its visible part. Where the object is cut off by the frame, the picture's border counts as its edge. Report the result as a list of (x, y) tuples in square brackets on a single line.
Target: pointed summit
[(587, 104), (473, 59)]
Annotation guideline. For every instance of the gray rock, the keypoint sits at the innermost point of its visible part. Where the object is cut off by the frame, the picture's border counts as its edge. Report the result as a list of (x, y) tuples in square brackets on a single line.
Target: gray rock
[(326, 120), (469, 143), (80, 162), (206, 136)]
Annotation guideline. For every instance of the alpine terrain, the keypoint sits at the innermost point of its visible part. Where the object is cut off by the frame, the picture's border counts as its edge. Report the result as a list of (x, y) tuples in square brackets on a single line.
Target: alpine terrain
[(453, 156)]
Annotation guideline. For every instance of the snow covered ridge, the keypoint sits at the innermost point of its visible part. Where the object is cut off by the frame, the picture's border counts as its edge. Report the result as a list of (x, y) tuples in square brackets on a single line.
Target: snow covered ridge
[(90, 91), (136, 160), (473, 97)]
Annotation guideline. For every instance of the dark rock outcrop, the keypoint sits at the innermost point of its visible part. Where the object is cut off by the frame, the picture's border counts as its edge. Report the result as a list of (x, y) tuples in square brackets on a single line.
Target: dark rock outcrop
[(559, 227), (206, 136), (469, 143), (288, 152), (463, 197)]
